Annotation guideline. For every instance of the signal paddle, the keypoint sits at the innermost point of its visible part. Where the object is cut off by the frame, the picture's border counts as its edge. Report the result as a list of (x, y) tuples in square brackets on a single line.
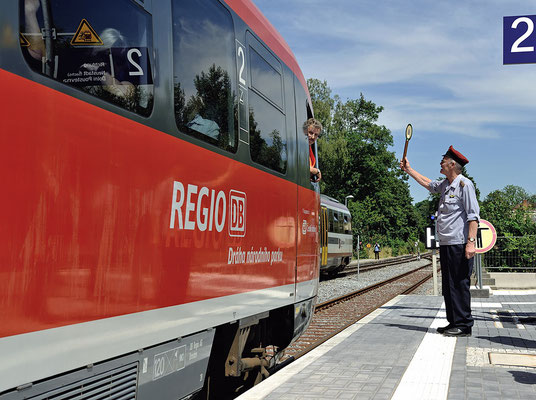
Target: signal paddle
[(409, 133)]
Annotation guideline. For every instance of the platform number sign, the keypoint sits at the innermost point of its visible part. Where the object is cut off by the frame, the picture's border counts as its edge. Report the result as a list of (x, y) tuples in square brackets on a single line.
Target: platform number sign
[(519, 39)]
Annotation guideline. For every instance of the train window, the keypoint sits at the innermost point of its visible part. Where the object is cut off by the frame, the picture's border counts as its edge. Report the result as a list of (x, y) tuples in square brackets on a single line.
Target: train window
[(330, 217), (204, 71), (347, 225), (338, 221), (265, 78), (80, 45), (267, 134)]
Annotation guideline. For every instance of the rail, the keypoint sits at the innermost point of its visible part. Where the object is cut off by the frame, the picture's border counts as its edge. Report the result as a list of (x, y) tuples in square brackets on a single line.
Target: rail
[(335, 315)]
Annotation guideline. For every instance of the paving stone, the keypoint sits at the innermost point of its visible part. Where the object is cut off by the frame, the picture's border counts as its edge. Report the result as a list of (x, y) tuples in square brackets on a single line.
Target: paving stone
[(371, 362)]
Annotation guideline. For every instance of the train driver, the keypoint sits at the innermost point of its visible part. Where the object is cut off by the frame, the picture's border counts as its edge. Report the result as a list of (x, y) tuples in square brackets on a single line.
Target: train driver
[(312, 128)]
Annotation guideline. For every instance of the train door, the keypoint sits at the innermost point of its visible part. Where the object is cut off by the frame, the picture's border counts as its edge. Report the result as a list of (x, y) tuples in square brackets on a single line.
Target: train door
[(307, 268), (323, 237)]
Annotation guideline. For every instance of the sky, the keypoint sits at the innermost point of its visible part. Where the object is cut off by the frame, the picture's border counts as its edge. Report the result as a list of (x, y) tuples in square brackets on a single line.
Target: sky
[(435, 64)]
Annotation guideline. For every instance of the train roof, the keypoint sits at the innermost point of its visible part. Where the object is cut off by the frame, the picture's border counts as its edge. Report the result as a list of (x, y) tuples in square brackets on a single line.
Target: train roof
[(266, 31), (332, 203)]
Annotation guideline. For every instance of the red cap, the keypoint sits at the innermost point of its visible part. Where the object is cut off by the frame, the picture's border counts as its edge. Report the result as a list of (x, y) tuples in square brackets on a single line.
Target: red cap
[(456, 156)]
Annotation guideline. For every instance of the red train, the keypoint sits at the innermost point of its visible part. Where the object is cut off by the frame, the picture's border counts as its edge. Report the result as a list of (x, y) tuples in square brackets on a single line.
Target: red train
[(156, 181)]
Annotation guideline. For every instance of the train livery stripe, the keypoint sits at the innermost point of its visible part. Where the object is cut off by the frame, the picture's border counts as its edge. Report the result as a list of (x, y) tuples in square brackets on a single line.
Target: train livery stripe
[(104, 217), (262, 27), (32, 356)]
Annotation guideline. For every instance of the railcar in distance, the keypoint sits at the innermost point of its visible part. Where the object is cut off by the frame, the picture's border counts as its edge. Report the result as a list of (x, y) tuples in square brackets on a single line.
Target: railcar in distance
[(335, 236), (156, 181)]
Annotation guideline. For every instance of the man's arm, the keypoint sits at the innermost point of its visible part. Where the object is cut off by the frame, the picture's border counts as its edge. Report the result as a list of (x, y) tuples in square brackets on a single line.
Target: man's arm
[(421, 179), (470, 249)]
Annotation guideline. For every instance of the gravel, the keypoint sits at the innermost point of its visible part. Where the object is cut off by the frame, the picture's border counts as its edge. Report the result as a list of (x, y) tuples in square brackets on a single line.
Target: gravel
[(341, 285)]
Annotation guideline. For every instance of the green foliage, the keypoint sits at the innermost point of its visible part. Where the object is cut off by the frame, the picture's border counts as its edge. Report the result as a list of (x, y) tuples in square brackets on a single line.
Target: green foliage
[(512, 253), (355, 160), (503, 209)]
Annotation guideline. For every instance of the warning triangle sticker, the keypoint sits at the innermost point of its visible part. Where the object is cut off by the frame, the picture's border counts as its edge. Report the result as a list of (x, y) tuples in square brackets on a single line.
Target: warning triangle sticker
[(23, 41), (86, 36)]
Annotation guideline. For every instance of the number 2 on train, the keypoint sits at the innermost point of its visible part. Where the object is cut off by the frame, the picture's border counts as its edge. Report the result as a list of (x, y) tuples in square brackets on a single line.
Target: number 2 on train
[(242, 63), (134, 63)]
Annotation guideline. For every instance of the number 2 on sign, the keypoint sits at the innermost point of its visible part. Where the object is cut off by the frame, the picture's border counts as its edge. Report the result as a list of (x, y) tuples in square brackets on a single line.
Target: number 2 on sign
[(528, 32)]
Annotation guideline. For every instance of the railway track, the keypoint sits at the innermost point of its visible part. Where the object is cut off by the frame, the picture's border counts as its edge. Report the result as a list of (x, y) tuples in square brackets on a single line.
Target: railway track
[(335, 315), (369, 266)]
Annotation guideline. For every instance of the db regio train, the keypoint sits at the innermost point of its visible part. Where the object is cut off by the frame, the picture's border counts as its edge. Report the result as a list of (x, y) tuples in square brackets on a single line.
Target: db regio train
[(156, 181), (335, 235)]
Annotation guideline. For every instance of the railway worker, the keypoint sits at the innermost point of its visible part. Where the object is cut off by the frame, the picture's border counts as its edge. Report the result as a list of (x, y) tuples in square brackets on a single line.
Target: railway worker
[(312, 129), (457, 225)]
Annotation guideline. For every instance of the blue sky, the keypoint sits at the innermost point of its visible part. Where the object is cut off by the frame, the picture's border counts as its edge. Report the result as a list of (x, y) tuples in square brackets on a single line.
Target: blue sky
[(435, 64)]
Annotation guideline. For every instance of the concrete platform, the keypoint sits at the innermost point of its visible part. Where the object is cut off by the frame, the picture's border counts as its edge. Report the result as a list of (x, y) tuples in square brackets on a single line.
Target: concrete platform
[(395, 353)]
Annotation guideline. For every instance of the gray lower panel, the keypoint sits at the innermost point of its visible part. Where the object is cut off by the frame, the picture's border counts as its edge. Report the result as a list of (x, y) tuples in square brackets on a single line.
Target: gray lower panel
[(171, 371), (176, 369)]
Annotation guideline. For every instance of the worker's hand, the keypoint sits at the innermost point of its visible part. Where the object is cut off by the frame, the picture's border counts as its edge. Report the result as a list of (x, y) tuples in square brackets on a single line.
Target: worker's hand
[(404, 164), (470, 250)]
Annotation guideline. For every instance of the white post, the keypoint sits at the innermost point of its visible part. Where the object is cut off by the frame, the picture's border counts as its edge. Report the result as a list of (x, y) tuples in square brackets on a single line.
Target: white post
[(478, 265), (358, 248), (434, 271)]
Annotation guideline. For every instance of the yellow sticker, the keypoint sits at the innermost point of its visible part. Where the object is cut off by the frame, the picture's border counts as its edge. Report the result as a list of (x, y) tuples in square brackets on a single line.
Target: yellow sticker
[(86, 36), (23, 41)]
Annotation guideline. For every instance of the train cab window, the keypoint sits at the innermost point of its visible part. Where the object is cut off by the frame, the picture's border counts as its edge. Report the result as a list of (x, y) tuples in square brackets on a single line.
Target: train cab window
[(204, 71), (347, 225), (267, 133), (100, 47), (335, 220)]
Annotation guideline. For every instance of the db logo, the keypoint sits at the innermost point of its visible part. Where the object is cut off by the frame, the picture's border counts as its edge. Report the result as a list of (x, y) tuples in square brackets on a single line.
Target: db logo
[(237, 213)]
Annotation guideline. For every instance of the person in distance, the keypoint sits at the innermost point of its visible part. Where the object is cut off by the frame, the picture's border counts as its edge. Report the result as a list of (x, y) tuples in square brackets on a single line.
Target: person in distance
[(457, 226)]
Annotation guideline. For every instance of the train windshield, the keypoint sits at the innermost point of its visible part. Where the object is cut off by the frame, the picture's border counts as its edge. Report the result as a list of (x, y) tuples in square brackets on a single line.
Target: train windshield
[(104, 53)]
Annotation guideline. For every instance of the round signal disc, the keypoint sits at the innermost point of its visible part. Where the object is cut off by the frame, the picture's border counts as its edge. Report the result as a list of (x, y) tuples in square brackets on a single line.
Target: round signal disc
[(409, 131)]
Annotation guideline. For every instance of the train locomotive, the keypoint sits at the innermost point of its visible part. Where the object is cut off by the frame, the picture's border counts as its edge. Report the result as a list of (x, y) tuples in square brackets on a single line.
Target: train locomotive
[(156, 181), (335, 236)]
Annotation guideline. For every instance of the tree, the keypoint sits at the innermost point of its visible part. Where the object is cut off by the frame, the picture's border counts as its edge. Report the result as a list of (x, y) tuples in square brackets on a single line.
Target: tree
[(355, 160), (502, 209)]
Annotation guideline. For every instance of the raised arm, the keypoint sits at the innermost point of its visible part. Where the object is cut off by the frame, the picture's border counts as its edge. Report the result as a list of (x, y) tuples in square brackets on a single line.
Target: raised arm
[(421, 179)]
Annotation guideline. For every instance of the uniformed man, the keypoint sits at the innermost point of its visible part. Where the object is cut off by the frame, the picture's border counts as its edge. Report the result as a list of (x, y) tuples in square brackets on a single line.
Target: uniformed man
[(457, 225)]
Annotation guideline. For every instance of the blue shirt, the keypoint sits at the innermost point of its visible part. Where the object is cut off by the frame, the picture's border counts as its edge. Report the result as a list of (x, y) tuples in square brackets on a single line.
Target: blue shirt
[(457, 206)]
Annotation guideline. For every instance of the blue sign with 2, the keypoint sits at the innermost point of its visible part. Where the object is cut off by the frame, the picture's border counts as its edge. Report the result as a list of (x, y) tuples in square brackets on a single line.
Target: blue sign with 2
[(519, 40)]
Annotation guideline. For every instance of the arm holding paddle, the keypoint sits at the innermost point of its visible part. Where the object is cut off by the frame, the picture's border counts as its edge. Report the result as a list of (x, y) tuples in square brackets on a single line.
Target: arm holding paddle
[(404, 163), (421, 179)]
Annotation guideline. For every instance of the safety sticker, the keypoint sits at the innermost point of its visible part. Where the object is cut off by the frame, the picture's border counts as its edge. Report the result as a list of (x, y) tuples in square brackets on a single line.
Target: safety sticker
[(86, 36), (23, 41)]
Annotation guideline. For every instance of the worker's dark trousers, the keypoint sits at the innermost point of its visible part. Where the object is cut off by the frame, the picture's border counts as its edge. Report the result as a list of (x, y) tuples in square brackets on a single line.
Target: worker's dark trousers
[(456, 273)]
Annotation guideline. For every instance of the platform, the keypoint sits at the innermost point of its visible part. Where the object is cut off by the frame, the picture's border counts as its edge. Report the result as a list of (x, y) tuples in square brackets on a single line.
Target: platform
[(395, 353)]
